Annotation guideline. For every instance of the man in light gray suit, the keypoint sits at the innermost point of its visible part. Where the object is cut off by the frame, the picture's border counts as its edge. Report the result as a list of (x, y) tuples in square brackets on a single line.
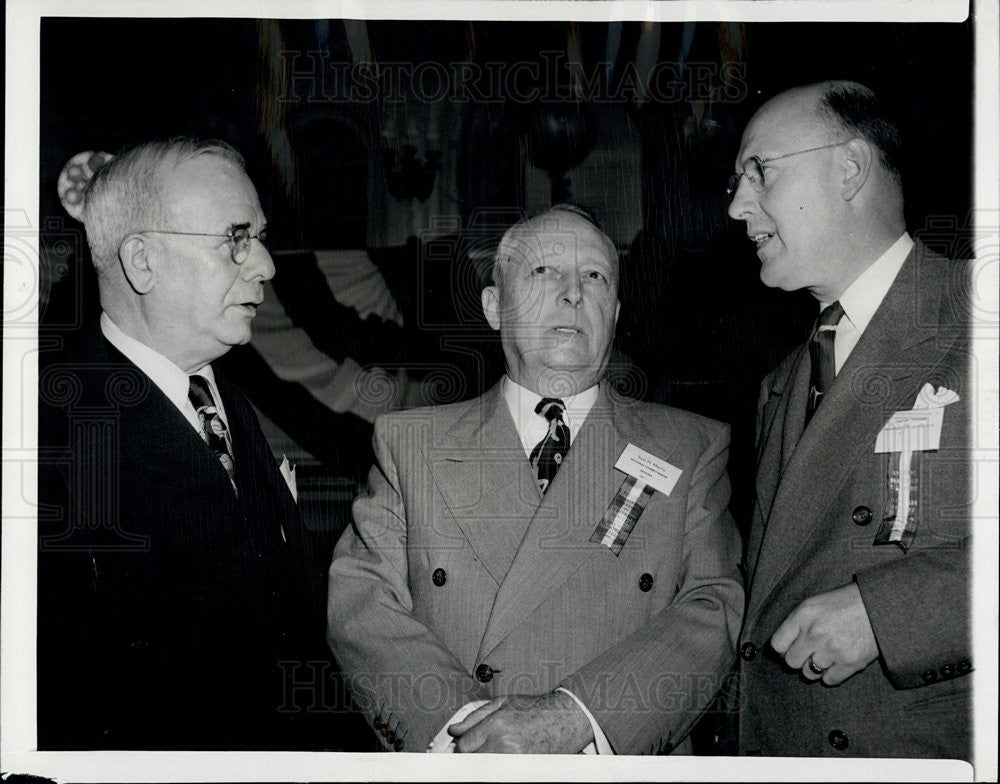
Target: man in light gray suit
[(856, 640), (571, 597)]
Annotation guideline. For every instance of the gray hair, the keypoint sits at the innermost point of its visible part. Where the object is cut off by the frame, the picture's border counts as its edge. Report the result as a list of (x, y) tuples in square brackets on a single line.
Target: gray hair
[(123, 196), (511, 245)]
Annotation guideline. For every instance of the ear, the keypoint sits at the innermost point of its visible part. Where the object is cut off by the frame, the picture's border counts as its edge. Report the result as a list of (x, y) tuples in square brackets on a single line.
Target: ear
[(859, 157), (134, 256), (491, 306)]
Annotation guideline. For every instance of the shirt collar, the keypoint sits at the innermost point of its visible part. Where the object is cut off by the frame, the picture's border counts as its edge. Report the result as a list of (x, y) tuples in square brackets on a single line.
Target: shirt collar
[(862, 298), (170, 379), (530, 426)]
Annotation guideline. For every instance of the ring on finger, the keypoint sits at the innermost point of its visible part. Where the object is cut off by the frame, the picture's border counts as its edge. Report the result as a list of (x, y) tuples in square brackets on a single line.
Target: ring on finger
[(814, 669)]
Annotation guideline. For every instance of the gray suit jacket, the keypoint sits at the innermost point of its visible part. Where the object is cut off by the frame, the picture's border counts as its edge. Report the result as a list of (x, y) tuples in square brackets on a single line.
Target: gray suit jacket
[(820, 499), (456, 563)]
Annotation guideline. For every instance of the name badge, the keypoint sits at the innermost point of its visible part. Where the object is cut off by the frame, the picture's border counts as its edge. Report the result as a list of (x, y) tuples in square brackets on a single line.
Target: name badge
[(646, 474), (648, 469), (904, 437), (917, 430)]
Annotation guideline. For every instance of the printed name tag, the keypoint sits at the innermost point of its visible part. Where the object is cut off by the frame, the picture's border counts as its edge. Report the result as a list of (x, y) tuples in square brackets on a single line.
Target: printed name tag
[(646, 474), (648, 469), (905, 436), (917, 430)]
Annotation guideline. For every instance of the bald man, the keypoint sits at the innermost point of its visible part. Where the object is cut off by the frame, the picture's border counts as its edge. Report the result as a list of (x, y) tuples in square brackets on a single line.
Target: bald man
[(856, 637), (551, 556)]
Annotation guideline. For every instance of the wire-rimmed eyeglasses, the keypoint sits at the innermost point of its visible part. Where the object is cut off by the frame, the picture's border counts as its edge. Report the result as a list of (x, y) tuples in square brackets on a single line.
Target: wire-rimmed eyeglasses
[(238, 239), (753, 170)]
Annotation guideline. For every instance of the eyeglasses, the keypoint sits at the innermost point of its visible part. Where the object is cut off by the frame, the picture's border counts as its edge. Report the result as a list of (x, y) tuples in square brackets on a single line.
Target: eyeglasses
[(754, 169), (238, 240)]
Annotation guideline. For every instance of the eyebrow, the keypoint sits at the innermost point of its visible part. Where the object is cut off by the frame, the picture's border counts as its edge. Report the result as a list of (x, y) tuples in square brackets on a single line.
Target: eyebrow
[(234, 227)]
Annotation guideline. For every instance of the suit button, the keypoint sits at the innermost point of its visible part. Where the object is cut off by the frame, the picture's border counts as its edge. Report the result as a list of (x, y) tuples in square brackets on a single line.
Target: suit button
[(929, 676), (484, 673), (748, 651), (964, 666), (440, 577), (398, 744), (948, 671), (646, 582), (861, 515), (838, 740)]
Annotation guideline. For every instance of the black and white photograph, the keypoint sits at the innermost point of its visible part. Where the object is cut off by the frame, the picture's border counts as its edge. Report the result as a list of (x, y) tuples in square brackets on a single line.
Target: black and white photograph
[(597, 382)]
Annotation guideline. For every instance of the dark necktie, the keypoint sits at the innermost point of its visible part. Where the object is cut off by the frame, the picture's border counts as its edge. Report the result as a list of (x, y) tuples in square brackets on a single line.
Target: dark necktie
[(213, 429), (548, 453), (823, 364)]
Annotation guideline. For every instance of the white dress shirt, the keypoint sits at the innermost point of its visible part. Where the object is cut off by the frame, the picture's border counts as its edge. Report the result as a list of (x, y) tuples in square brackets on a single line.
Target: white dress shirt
[(862, 298), (532, 428), (171, 380)]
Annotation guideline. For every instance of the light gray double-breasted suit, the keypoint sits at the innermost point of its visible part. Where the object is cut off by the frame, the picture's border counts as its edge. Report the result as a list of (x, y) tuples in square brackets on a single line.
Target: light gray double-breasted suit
[(821, 496), (460, 581)]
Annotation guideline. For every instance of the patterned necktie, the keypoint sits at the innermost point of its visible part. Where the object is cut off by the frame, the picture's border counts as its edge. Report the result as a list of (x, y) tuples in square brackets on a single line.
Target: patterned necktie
[(548, 453), (212, 428), (823, 364)]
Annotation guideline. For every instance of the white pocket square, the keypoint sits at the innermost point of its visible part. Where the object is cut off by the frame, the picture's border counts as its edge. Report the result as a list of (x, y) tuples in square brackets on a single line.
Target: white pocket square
[(928, 397)]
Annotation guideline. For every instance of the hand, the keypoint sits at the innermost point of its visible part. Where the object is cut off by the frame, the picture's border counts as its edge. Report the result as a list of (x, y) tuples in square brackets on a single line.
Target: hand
[(831, 631), (546, 724)]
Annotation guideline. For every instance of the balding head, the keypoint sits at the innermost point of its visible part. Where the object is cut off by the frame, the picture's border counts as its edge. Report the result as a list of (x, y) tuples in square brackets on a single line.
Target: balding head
[(522, 238), (824, 200), (555, 301)]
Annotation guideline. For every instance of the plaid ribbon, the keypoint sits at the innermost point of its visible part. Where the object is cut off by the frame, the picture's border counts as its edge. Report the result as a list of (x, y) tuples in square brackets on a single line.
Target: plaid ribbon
[(623, 512), (899, 526)]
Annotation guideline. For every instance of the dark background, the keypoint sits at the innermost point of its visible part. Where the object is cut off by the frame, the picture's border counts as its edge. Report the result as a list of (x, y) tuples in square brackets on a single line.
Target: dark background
[(698, 330)]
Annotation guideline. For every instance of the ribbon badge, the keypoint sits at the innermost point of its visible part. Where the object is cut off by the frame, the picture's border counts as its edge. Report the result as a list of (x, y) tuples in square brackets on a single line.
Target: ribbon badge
[(646, 474), (905, 435)]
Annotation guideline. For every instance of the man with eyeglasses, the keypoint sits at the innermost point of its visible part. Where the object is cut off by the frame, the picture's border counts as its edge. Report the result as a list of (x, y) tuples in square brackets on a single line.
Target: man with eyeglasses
[(856, 636), (172, 558)]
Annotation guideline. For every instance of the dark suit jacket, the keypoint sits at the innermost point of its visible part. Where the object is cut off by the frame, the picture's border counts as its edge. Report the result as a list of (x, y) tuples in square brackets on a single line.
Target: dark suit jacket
[(820, 499), (165, 602), (456, 563)]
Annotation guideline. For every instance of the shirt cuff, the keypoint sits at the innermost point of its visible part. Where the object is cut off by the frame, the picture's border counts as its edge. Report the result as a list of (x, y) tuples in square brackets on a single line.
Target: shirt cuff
[(600, 744)]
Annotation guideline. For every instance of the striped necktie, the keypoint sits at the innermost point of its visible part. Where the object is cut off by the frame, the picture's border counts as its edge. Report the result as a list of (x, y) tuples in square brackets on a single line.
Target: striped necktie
[(213, 430), (548, 453), (823, 368)]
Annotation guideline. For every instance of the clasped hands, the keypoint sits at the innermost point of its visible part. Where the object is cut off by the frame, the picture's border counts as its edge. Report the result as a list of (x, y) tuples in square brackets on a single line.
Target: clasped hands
[(828, 637), (544, 724)]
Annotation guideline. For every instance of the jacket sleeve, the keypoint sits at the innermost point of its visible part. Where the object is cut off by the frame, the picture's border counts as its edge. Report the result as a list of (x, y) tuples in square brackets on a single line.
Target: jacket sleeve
[(919, 603), (403, 679), (919, 610), (647, 691)]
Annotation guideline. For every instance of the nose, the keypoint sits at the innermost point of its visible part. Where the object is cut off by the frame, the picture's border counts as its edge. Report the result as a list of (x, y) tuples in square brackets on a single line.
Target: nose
[(259, 264), (742, 203), (572, 290)]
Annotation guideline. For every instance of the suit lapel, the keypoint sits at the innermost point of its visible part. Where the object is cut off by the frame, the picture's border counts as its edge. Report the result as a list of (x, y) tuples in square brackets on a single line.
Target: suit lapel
[(882, 375), (486, 481), (155, 418), (781, 424), (162, 434), (556, 543)]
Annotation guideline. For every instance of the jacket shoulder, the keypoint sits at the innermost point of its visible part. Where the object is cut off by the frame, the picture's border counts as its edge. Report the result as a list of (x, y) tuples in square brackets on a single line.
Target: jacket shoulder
[(442, 412), (657, 416)]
